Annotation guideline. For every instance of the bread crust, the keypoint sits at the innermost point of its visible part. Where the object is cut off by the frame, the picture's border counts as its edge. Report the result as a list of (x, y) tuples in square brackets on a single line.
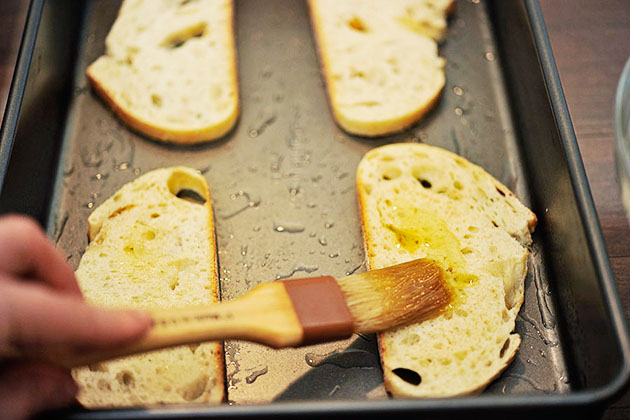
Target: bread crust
[(373, 127), (373, 242), (156, 130), (139, 196)]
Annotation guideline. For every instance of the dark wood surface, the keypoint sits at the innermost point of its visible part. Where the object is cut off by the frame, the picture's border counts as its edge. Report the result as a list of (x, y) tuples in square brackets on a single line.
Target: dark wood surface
[(591, 43)]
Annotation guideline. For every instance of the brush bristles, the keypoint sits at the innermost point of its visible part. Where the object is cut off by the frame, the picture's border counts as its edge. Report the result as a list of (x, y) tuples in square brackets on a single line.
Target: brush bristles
[(382, 299)]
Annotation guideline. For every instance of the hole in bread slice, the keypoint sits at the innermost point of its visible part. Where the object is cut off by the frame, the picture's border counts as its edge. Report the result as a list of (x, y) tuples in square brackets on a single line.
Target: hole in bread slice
[(390, 172), (190, 195), (187, 186), (425, 183), (408, 375), (506, 345), (156, 100), (125, 378), (180, 37)]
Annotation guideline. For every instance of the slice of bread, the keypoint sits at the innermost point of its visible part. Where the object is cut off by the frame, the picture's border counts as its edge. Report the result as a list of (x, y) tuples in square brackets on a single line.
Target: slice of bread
[(422, 201), (380, 60), (148, 248), (169, 70)]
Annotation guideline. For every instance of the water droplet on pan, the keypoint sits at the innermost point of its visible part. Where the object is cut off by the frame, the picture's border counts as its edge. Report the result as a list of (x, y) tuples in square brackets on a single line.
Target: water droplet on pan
[(543, 296), (265, 117), (334, 390), (301, 268), (295, 190), (121, 166), (289, 227), (91, 160), (252, 201), (250, 379), (548, 341)]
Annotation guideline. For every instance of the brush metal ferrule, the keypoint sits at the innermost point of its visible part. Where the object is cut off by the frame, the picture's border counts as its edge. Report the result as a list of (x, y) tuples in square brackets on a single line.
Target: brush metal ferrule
[(321, 308)]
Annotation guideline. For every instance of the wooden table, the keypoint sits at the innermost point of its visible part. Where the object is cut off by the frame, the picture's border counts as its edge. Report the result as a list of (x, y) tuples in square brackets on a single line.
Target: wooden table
[(591, 42)]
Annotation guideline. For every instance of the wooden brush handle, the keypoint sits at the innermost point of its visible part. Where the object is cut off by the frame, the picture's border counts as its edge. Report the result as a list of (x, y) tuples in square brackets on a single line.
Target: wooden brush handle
[(264, 315)]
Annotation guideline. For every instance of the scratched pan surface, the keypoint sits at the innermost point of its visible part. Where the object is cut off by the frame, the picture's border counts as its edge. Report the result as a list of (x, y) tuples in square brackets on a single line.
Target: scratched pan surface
[(283, 194)]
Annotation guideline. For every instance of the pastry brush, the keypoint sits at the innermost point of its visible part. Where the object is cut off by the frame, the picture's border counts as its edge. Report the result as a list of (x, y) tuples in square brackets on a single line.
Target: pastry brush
[(296, 312)]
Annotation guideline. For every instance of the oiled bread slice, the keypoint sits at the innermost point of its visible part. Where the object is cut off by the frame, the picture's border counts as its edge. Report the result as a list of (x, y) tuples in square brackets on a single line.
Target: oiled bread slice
[(169, 70), (149, 248), (380, 60), (422, 201)]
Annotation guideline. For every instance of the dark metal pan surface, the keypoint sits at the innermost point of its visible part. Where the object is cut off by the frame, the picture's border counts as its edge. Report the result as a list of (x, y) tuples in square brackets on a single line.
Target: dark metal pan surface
[(283, 186)]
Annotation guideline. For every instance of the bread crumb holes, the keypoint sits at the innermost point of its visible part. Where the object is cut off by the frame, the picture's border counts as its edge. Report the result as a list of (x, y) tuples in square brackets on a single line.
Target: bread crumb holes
[(156, 100), (357, 24), (391, 172), (411, 340), (425, 183), (506, 345), (410, 376), (125, 378)]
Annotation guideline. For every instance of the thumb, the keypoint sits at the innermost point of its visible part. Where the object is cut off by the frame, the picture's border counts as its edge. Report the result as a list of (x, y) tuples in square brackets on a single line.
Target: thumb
[(37, 317), (28, 389)]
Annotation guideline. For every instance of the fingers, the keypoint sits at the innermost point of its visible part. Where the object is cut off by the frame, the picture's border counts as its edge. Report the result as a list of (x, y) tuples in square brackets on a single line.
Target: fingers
[(39, 317), (28, 389), (27, 252)]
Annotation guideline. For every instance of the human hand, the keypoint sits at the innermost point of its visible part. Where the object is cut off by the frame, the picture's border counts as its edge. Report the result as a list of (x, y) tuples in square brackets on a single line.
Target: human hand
[(42, 313)]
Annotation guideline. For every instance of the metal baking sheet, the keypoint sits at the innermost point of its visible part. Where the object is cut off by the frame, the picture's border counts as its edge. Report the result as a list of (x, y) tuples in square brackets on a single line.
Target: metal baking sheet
[(283, 187)]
